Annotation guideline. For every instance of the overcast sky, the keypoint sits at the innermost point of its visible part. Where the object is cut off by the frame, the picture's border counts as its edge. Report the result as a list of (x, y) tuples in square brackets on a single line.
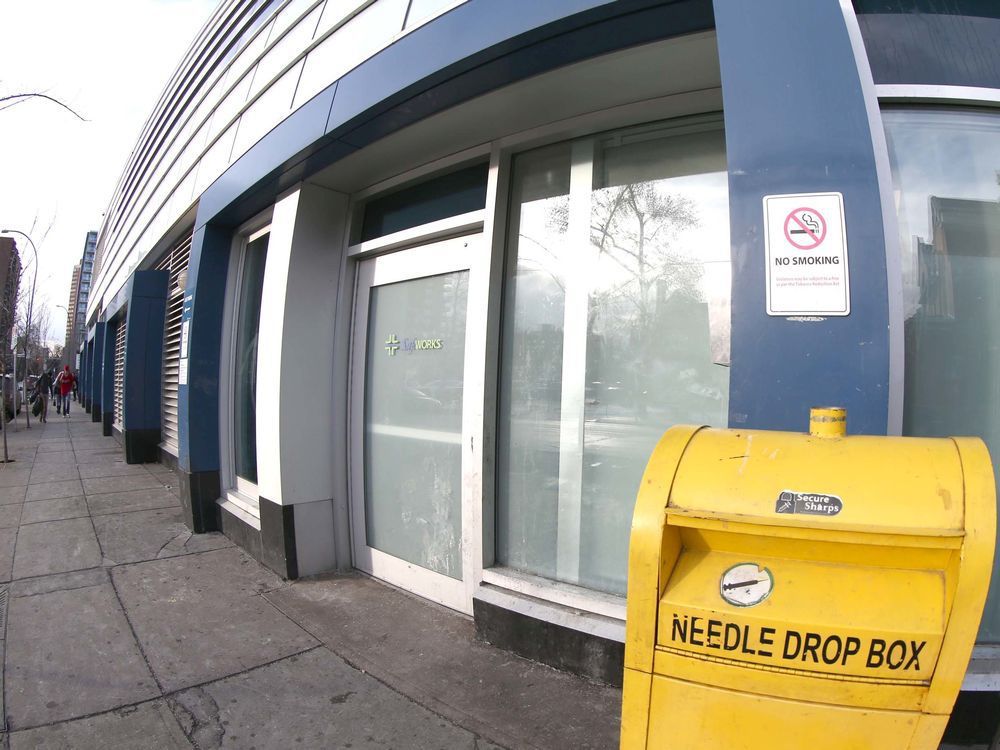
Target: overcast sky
[(107, 59)]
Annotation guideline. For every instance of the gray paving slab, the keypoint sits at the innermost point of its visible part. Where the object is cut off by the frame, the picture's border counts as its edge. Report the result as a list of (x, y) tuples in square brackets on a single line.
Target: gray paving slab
[(71, 654), (413, 647), (200, 617), (12, 475), (76, 579), (151, 534), (44, 473), (99, 460), (110, 452), (50, 490), (10, 495), (10, 516), (169, 479), (104, 485), (56, 547), (110, 469), (313, 700), (124, 502), (59, 457), (54, 510), (91, 443), (148, 726), (51, 446), (8, 537)]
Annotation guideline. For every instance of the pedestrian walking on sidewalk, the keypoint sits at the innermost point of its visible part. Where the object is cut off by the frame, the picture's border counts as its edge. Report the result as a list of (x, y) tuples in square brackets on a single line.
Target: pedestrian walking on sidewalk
[(65, 381), (42, 387)]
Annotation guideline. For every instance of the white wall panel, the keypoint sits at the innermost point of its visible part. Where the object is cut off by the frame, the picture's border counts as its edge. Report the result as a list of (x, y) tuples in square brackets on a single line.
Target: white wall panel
[(293, 12), (215, 160), (350, 45), (283, 52), (298, 308), (271, 108)]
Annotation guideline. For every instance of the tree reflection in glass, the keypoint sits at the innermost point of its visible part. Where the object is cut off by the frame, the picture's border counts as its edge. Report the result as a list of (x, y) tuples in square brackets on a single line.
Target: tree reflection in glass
[(617, 328)]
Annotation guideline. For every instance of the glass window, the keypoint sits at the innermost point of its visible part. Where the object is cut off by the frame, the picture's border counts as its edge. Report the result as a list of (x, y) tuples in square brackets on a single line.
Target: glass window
[(245, 357), (616, 327), (432, 200), (944, 170)]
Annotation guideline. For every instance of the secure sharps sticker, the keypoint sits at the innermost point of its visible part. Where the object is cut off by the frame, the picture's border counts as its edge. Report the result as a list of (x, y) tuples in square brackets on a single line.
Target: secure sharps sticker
[(808, 503)]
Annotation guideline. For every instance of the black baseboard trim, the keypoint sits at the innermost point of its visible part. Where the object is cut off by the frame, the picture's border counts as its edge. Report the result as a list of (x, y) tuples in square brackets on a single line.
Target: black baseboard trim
[(241, 533), (199, 492), (107, 420), (558, 646), (277, 531), (273, 544), (141, 446), (168, 459), (975, 719), (96, 415)]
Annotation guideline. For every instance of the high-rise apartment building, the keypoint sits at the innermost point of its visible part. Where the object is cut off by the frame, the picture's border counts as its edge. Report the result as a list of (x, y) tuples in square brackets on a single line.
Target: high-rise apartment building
[(79, 294), (74, 287)]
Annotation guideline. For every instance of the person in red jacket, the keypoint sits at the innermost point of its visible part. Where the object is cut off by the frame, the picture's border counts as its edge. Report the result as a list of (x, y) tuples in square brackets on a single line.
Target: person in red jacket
[(65, 381)]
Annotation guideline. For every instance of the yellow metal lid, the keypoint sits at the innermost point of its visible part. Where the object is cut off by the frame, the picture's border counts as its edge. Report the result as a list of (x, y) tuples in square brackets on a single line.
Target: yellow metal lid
[(861, 483)]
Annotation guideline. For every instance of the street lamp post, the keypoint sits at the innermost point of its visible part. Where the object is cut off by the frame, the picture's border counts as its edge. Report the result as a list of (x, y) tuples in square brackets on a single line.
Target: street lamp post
[(27, 325)]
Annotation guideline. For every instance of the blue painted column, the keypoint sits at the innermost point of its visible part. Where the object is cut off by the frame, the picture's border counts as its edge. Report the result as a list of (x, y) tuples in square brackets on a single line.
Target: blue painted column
[(104, 376), (93, 370), (796, 122), (143, 368), (81, 377), (198, 395)]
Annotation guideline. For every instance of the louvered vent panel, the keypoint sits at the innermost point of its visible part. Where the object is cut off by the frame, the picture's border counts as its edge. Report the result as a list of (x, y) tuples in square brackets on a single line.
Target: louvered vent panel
[(175, 262), (119, 372)]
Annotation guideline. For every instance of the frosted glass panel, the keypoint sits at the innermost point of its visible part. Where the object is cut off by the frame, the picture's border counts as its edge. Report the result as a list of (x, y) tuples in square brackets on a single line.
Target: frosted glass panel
[(616, 328), (413, 420), (944, 170)]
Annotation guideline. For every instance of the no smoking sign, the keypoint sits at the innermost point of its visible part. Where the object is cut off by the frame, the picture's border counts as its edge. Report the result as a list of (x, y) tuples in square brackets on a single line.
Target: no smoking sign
[(805, 241)]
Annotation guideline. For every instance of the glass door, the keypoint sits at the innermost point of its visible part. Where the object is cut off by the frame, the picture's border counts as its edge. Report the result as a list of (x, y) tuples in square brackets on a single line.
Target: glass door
[(408, 377)]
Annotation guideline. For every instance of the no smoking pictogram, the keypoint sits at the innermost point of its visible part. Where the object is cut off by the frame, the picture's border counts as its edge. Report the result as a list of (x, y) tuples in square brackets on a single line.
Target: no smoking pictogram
[(805, 228)]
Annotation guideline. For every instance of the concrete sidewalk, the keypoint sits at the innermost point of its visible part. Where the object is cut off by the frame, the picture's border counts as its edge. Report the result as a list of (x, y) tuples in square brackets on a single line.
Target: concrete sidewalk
[(123, 630)]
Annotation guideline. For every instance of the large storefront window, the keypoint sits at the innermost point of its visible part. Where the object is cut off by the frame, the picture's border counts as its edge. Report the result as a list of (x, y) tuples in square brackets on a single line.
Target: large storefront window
[(945, 167), (616, 327)]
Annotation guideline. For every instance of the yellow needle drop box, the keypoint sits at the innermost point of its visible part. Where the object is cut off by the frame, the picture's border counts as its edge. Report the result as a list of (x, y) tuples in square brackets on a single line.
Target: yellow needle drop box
[(791, 591)]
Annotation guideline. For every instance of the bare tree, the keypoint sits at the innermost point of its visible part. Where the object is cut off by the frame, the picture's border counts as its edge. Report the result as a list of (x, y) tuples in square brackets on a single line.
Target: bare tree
[(12, 100)]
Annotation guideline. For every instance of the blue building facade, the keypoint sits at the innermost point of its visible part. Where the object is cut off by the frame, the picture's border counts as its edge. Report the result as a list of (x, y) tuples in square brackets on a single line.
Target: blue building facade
[(413, 287)]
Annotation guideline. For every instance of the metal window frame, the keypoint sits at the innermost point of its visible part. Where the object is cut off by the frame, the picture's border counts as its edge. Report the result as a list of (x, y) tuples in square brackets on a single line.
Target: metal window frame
[(416, 262), (237, 492)]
